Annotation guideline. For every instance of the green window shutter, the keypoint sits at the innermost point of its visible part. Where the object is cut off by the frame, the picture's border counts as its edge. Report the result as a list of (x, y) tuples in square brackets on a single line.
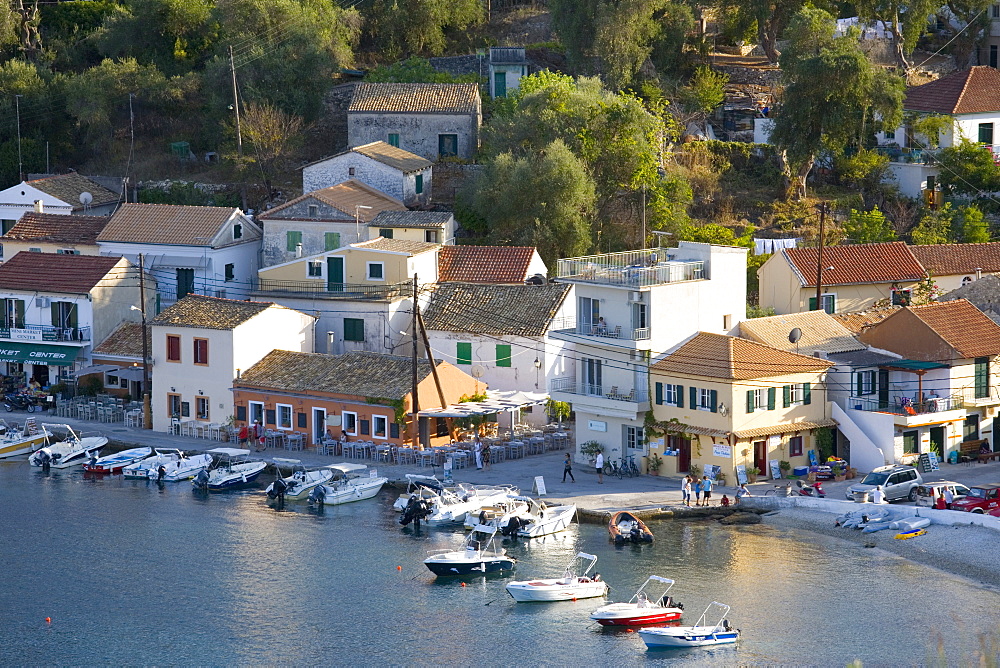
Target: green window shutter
[(771, 392), (385, 233), (858, 384), (982, 377), (56, 322), (833, 304), (419, 183), (464, 353), (750, 402), (807, 393), (713, 401), (786, 395), (503, 355), (694, 396), (354, 329), (393, 139), (812, 303), (680, 396), (659, 394), (292, 239), (331, 240)]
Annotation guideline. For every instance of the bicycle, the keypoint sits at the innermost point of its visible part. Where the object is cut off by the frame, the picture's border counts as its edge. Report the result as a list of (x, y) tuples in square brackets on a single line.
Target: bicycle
[(633, 469), (612, 468)]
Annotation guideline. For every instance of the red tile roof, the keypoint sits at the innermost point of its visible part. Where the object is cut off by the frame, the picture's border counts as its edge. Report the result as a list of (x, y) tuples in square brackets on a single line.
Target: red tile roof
[(965, 328), (55, 228), (731, 358), (416, 98), (484, 264), (950, 259), (166, 224), (973, 91), (54, 272), (861, 263)]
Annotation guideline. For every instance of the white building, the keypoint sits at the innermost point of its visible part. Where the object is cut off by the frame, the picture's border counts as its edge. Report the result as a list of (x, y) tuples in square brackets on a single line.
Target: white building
[(189, 249), (630, 308), (389, 169), (200, 344), (63, 194), (433, 227), (507, 66)]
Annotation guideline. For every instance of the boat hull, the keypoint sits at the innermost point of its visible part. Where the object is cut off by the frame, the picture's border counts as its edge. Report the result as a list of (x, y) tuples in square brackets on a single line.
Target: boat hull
[(233, 481), (543, 591), (559, 520), (627, 614), (21, 447), (687, 636), (115, 463), (483, 566), (351, 493)]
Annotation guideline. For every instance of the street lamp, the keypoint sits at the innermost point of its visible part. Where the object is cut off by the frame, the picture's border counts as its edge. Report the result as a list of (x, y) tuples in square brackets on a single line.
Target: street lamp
[(357, 218)]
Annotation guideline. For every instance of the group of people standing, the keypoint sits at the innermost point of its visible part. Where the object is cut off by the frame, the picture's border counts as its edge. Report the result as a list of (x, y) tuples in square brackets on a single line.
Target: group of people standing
[(702, 490)]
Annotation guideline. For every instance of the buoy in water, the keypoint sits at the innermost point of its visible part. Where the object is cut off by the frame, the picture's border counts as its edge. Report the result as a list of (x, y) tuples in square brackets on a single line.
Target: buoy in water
[(48, 620), (463, 584), (399, 568)]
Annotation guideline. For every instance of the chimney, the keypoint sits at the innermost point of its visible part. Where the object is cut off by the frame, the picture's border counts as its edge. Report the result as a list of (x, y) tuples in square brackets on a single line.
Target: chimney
[(298, 250), (39, 207), (979, 273), (329, 343)]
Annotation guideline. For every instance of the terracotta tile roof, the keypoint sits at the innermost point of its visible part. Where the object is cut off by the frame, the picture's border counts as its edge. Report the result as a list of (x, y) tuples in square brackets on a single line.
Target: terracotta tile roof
[(428, 219), (484, 264), (126, 341), (861, 263), (949, 259), (358, 374), (819, 331), (859, 320), (973, 91), (209, 312), (517, 310), (54, 272), (344, 197), (416, 98), (732, 358), (166, 224), (984, 294), (54, 228), (392, 156), (962, 326), (784, 428), (396, 246), (69, 187)]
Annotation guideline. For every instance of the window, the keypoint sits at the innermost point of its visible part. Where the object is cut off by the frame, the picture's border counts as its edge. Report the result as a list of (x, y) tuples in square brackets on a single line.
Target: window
[(201, 408), (993, 52), (237, 231), (982, 379), (174, 405), (284, 415), (995, 12), (394, 139), (354, 329), (588, 314), (385, 232), (380, 426), (432, 236), (173, 348), (292, 240), (503, 355), (315, 268), (185, 282), (230, 272), (707, 400), (331, 240), (864, 383), (640, 316), (349, 425), (890, 135), (633, 438), (799, 394), (256, 411), (314, 211), (447, 146), (13, 313), (795, 446), (986, 134), (757, 400), (593, 376), (727, 322), (463, 353), (201, 351), (418, 183), (375, 271), (673, 395), (34, 250), (829, 303), (67, 251)]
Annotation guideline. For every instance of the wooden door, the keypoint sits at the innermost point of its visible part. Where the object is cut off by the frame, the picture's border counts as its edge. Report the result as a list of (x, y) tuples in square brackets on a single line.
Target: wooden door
[(760, 456)]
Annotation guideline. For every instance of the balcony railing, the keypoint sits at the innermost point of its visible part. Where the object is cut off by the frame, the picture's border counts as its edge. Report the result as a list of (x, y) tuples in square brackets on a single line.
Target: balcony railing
[(613, 392), (633, 269), (901, 405), (334, 290), (924, 156), (44, 333), (603, 331)]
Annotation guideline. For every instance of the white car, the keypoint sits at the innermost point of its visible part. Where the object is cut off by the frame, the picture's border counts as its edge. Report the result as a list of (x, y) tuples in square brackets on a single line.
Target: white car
[(928, 491), (898, 482)]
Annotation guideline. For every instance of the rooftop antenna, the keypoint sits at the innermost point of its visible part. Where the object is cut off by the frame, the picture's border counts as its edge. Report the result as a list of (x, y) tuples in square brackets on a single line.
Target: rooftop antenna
[(794, 336), (85, 199)]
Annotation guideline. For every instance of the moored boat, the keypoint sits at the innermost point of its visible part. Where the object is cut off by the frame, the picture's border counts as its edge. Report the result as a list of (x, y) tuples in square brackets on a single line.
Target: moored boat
[(625, 527), (161, 456), (185, 468), (116, 462), (480, 556), (234, 468), (699, 635), (451, 504), (298, 485), (15, 442), (71, 451), (535, 519), (641, 610), (347, 486), (567, 588)]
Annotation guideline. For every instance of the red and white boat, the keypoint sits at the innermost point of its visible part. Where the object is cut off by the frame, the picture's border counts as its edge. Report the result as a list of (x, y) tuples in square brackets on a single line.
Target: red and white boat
[(642, 609), (116, 462)]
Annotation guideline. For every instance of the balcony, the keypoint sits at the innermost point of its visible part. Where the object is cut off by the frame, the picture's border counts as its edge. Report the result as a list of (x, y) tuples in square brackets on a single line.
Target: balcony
[(987, 396), (630, 269), (45, 333), (570, 326), (321, 289), (904, 405), (611, 393)]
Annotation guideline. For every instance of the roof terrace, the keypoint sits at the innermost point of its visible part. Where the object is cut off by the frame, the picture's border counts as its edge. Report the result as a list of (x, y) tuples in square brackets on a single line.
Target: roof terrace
[(631, 269)]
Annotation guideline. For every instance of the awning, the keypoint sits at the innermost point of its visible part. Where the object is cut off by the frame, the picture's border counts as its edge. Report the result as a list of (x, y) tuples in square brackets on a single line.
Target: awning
[(786, 428), (496, 402), (913, 365), (95, 368), (37, 354), (128, 373), (156, 260)]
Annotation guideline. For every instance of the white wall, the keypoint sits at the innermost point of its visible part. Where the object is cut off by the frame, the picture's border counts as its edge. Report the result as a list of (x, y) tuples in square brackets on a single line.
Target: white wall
[(382, 177), (912, 178), (418, 133)]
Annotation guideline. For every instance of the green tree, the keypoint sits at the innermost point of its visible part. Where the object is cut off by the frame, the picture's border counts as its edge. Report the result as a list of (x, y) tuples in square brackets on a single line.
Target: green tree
[(934, 227), (968, 169), (173, 35), (676, 22), (705, 91), (624, 38), (555, 218), (868, 227), (974, 14), (905, 20), (972, 226), (271, 136), (770, 17), (416, 70), (417, 27)]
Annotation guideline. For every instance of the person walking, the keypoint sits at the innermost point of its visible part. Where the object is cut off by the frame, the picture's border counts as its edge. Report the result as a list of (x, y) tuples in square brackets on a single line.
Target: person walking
[(742, 492), (697, 491), (599, 463), (257, 431), (486, 457), (706, 489), (949, 496), (686, 490), (568, 468), (479, 453)]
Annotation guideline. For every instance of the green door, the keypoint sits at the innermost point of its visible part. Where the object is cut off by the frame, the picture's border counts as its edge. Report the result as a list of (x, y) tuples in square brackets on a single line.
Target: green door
[(499, 84), (937, 440), (185, 282), (335, 274)]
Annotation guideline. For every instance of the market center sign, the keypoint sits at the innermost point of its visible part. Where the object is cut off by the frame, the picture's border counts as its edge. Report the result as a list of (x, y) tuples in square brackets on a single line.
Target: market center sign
[(35, 354)]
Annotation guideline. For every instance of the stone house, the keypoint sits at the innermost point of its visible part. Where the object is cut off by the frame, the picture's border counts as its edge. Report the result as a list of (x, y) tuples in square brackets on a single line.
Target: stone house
[(507, 66), (432, 120), (435, 227), (391, 170)]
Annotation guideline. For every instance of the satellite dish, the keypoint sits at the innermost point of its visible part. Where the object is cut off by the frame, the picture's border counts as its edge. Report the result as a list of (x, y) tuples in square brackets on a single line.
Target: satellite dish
[(478, 371), (794, 335), (86, 198)]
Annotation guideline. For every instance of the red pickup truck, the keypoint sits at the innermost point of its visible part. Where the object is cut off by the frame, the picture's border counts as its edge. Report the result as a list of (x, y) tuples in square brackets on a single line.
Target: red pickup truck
[(980, 499)]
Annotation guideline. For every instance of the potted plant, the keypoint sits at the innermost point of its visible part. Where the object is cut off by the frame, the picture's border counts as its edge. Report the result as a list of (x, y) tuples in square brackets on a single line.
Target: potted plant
[(752, 474), (590, 449), (653, 464), (839, 472), (785, 468), (695, 471), (720, 479)]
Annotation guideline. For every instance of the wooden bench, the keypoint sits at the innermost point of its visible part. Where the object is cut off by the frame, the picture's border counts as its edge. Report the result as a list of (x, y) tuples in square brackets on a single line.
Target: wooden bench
[(968, 451), (987, 456)]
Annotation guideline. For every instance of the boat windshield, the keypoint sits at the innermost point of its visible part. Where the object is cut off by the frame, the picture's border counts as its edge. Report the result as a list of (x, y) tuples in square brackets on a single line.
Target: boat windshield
[(875, 479)]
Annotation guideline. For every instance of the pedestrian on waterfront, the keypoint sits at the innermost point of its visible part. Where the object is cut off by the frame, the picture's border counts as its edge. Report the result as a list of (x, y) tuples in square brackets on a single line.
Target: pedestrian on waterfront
[(878, 496), (686, 490), (479, 453), (697, 491), (706, 489), (724, 502), (741, 492), (949, 497), (257, 431), (244, 435), (486, 457), (568, 468), (599, 463)]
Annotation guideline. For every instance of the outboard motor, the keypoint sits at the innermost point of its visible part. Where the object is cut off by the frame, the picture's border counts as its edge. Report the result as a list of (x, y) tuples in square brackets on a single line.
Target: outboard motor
[(635, 534), (44, 459), (416, 510), (514, 525), (160, 472), (277, 489), (318, 494), (201, 480)]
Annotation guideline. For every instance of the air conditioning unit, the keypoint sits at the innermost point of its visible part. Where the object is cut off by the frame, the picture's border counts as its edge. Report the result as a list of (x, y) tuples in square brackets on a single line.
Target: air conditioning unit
[(221, 294), (43, 302), (635, 297)]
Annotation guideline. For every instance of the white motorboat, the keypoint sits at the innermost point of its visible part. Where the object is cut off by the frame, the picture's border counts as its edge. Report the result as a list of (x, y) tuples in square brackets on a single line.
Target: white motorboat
[(537, 520), (71, 451), (234, 469), (15, 442), (415, 482), (495, 511), (116, 462), (298, 485), (185, 468), (348, 485), (699, 635), (450, 505), (640, 609), (567, 588), (480, 556), (161, 456)]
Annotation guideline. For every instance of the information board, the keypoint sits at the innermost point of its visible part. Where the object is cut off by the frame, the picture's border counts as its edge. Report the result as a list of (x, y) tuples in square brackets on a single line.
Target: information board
[(775, 469), (924, 463), (539, 486), (741, 474), (933, 459)]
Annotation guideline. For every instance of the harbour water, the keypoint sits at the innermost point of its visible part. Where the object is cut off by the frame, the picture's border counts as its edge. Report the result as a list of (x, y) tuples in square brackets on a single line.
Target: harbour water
[(139, 573)]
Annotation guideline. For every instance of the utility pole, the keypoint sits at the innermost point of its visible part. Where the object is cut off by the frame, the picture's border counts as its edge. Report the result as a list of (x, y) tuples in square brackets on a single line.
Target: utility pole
[(147, 412), (236, 105), (20, 164), (642, 242), (819, 260), (414, 401)]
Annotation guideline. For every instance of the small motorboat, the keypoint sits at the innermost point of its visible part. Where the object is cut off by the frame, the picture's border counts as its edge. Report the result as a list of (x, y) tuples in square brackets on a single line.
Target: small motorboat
[(24, 441), (567, 588), (348, 485), (116, 462), (480, 556), (71, 451), (234, 468), (185, 468), (415, 482), (625, 527), (535, 520), (641, 610), (699, 635), (492, 513), (298, 485), (451, 504), (161, 456)]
